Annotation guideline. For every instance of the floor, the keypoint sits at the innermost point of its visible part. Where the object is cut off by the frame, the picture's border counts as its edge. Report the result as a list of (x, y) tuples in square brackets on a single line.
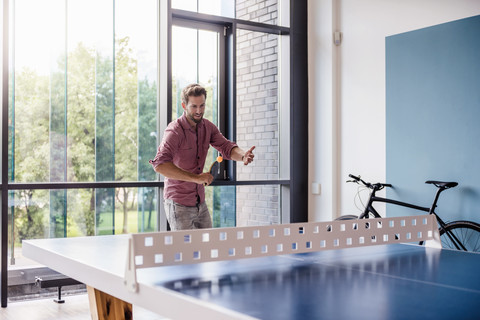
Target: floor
[(75, 308)]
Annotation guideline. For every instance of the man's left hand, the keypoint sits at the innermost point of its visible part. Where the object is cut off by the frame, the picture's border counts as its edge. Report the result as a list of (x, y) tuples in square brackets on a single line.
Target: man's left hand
[(248, 157)]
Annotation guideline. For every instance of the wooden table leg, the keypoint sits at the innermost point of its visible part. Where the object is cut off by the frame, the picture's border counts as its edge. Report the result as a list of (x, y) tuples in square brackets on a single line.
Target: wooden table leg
[(106, 307)]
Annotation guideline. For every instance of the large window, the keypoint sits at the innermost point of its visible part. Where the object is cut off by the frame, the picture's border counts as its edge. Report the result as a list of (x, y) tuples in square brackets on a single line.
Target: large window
[(93, 84), (245, 92), (83, 108), (83, 100), (198, 51)]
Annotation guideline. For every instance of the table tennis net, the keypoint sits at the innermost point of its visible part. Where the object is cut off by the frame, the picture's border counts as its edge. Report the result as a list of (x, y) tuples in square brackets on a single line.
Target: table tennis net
[(157, 249)]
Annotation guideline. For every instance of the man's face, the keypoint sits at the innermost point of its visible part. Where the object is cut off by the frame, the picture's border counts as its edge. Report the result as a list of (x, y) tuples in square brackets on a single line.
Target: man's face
[(195, 108)]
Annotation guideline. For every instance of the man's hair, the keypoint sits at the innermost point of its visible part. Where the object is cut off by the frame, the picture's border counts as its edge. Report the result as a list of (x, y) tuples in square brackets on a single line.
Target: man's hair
[(193, 90)]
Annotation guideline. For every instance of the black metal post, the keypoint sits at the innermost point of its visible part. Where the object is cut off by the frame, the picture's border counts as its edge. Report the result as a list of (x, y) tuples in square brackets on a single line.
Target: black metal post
[(298, 111), (231, 93)]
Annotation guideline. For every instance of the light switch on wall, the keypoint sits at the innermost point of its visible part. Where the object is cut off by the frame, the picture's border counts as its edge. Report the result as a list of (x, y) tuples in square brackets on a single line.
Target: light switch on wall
[(315, 188)]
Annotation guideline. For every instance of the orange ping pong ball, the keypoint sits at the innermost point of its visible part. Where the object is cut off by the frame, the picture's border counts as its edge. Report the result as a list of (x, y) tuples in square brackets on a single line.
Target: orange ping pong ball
[(219, 159)]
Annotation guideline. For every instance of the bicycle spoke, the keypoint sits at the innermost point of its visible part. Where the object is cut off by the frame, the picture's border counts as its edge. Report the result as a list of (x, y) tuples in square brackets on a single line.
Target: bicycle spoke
[(475, 247), (466, 232)]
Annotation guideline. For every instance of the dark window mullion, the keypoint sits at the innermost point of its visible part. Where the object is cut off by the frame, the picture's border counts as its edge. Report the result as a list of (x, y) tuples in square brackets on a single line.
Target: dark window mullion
[(231, 93)]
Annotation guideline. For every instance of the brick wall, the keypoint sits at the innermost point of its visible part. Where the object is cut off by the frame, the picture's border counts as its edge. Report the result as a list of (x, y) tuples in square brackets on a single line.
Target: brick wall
[(264, 11), (257, 114)]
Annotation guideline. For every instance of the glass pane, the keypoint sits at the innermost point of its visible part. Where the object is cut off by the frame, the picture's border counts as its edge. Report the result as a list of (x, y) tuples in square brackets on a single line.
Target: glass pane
[(195, 58), (104, 92), (80, 212), (81, 90), (208, 57), (104, 211), (87, 98), (257, 103), (58, 96), (189, 5), (135, 210), (147, 217), (221, 204), (258, 205), (30, 101), (29, 212), (232, 206), (58, 213), (184, 64), (224, 8), (135, 89)]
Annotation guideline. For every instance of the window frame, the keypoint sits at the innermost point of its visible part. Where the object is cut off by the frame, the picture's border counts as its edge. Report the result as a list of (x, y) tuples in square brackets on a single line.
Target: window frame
[(180, 22), (294, 188), (227, 118)]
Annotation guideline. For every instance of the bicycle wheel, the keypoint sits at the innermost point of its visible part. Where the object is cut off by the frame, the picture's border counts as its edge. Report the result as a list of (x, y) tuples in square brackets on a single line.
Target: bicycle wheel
[(467, 232), (347, 217)]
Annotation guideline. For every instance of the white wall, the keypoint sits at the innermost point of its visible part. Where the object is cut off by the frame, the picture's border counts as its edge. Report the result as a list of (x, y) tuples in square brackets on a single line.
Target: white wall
[(347, 89)]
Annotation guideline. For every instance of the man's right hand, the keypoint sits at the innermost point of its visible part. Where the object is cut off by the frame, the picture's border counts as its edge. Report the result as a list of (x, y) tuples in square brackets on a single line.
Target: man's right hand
[(171, 171), (205, 178)]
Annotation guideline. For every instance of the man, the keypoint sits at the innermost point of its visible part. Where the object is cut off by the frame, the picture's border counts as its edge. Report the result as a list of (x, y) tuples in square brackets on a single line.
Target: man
[(181, 158)]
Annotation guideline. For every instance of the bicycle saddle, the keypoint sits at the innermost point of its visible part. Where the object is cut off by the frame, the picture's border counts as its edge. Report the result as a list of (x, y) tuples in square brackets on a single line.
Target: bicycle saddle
[(442, 184)]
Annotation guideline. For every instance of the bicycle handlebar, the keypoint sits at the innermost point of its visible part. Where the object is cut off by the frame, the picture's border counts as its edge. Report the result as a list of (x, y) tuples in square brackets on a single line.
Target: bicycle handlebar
[(375, 186)]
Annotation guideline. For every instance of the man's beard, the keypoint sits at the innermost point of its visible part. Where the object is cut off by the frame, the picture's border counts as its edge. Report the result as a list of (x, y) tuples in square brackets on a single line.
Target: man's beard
[(196, 120)]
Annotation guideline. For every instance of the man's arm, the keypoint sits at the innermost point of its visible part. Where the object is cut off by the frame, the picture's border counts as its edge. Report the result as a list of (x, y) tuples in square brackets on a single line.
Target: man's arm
[(238, 154), (171, 171)]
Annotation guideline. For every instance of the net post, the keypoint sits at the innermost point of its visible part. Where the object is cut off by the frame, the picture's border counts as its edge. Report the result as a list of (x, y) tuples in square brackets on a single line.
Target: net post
[(435, 242), (130, 279)]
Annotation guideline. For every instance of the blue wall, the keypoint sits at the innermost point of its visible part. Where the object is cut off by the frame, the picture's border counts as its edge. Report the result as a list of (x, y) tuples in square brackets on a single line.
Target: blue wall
[(433, 117)]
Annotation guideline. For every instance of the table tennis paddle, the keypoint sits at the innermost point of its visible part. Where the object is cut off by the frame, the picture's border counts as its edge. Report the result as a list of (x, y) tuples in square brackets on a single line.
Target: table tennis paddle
[(217, 161)]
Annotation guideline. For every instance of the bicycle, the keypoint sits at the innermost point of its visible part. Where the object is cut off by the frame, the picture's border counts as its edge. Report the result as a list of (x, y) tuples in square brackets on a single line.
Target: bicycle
[(459, 235)]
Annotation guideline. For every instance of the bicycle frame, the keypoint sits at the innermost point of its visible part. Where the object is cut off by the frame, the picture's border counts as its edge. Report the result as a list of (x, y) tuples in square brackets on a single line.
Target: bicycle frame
[(373, 198)]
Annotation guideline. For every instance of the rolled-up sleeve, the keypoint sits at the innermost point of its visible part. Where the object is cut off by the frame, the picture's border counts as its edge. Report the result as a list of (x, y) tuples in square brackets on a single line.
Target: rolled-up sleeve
[(222, 144), (168, 148)]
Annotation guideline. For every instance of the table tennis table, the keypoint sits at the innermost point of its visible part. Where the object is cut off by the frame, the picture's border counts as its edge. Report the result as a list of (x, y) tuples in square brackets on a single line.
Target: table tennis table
[(357, 281)]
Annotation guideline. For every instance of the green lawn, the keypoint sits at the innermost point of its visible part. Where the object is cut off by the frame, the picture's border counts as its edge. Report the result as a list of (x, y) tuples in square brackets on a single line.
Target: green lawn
[(132, 222)]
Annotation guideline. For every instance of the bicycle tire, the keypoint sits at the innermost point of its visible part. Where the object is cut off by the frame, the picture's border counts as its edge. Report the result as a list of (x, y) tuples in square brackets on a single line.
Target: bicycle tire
[(347, 217), (467, 232)]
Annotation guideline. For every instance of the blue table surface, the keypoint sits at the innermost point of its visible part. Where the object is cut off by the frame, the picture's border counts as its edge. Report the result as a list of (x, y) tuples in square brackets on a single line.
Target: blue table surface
[(397, 281), (377, 282)]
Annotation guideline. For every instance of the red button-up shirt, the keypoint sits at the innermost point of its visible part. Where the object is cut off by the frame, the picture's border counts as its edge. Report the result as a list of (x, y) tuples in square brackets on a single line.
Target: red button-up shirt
[(187, 148)]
